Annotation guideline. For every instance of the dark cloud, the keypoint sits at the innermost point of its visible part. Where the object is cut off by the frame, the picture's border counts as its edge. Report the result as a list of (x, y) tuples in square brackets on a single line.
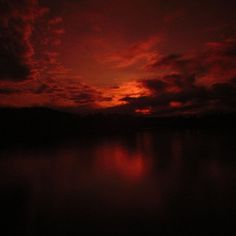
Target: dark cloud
[(182, 88), (218, 59), (84, 98), (79, 94), (170, 60), (8, 91), (44, 88), (82, 94), (194, 99), (223, 49), (12, 66), (16, 26), (100, 47), (155, 85)]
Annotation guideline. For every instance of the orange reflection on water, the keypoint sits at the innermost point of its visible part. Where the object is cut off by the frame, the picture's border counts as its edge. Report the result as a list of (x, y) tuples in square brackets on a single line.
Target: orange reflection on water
[(116, 160)]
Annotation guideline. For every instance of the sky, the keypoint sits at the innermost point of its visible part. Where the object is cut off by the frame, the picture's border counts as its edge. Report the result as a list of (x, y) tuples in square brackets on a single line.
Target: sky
[(147, 57)]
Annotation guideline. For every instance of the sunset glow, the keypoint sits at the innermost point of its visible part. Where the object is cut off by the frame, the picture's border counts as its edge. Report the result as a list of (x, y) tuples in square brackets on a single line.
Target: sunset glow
[(124, 56), (117, 117)]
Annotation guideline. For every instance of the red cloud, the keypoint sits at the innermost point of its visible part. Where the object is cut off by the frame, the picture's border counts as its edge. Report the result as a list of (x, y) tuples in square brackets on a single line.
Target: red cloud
[(175, 83), (17, 19), (184, 89), (131, 55)]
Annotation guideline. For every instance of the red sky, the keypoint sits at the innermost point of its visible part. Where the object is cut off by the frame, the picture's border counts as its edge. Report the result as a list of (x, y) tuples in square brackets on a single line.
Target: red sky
[(162, 57)]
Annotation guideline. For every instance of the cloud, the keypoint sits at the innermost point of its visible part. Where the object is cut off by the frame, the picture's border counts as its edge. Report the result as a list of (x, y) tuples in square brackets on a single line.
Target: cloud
[(29, 40), (133, 54), (30, 69), (82, 94), (17, 19), (73, 94), (219, 60), (216, 63), (198, 100), (108, 50), (114, 96), (192, 99), (52, 94), (155, 85), (184, 87), (171, 61), (8, 91)]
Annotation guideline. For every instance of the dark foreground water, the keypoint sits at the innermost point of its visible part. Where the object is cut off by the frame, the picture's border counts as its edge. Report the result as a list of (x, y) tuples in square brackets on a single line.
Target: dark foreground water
[(151, 181)]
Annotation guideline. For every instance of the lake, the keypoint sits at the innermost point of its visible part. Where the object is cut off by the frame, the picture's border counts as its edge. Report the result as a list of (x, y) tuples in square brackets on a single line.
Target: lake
[(144, 182)]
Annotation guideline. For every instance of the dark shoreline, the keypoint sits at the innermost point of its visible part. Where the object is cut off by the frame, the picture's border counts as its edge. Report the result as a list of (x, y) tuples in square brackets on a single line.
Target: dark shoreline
[(44, 126)]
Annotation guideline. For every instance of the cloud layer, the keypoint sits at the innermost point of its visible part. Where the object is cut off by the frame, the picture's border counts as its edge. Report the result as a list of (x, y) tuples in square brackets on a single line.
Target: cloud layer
[(145, 57), (17, 19), (202, 83)]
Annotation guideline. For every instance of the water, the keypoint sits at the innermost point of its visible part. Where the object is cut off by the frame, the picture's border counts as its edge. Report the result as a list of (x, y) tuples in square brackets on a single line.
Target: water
[(151, 181)]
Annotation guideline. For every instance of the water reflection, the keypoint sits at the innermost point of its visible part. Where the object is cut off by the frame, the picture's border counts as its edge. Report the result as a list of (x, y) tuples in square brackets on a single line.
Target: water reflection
[(155, 179), (116, 160)]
